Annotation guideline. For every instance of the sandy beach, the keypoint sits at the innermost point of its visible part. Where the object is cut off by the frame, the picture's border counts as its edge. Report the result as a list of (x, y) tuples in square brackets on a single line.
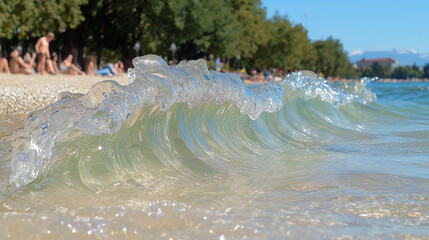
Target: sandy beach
[(22, 94)]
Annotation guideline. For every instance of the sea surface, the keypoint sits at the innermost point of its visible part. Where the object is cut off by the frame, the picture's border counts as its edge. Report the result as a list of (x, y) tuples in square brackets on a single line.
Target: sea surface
[(187, 153)]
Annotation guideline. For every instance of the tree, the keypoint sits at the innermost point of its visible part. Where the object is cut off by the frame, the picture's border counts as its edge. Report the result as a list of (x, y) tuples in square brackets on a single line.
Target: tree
[(414, 72), (250, 17), (56, 15), (129, 22), (196, 27), (16, 19), (426, 71), (331, 58), (405, 72), (367, 72), (21, 20), (110, 29), (379, 71), (288, 46), (203, 26)]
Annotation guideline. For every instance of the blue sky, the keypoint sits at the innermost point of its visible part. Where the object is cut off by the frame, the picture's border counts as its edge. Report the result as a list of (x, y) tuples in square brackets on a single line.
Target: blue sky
[(361, 24)]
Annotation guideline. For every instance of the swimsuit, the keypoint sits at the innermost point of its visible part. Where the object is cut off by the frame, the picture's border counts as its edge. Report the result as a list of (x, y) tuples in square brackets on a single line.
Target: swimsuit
[(62, 67), (41, 56)]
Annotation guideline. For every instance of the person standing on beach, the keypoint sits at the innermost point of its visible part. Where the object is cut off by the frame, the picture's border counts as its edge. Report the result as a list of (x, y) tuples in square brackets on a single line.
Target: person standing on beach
[(43, 56)]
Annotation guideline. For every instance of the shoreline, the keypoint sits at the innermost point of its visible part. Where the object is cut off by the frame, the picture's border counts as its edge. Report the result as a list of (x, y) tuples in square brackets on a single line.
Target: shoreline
[(22, 94), (393, 80), (384, 80)]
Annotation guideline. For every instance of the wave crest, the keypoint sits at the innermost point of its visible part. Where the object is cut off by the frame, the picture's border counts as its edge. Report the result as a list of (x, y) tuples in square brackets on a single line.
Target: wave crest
[(159, 132)]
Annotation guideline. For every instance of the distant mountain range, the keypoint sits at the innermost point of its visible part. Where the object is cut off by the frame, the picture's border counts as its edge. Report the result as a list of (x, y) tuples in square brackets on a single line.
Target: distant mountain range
[(404, 57)]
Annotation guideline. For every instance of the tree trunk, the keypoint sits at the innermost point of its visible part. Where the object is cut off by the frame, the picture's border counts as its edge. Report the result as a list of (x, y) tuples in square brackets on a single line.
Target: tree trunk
[(100, 36), (5, 47), (81, 44), (69, 45), (128, 54)]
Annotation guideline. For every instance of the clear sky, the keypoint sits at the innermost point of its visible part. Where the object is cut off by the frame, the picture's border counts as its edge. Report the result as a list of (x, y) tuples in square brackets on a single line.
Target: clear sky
[(360, 24)]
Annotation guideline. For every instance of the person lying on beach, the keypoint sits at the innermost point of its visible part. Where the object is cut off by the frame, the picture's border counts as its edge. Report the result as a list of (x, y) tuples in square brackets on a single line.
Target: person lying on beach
[(18, 65), (109, 70), (67, 67), (119, 67), (4, 65), (112, 69)]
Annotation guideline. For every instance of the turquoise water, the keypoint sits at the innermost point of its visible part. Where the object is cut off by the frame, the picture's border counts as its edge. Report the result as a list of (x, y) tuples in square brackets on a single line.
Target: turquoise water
[(185, 153)]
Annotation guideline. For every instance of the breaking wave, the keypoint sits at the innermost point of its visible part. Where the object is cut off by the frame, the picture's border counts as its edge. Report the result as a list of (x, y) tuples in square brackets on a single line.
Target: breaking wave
[(176, 122)]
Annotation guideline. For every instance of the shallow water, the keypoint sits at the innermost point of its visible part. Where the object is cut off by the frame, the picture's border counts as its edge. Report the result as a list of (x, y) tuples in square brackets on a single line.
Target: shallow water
[(299, 159)]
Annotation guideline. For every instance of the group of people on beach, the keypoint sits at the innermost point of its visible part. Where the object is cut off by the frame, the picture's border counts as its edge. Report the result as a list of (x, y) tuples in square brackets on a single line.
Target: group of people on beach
[(42, 62)]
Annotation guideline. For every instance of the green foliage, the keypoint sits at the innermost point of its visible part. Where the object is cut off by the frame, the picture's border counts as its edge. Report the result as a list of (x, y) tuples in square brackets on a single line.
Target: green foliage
[(425, 73), (16, 18), (203, 26), (379, 70), (194, 26), (376, 70), (251, 34), (402, 72), (56, 15), (224, 28), (128, 22), (415, 72), (331, 59), (367, 72), (405, 72), (31, 18), (288, 46)]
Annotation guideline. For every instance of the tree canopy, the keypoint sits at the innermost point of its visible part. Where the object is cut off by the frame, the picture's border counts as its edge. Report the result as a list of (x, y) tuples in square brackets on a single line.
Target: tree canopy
[(23, 19), (111, 29), (331, 58)]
